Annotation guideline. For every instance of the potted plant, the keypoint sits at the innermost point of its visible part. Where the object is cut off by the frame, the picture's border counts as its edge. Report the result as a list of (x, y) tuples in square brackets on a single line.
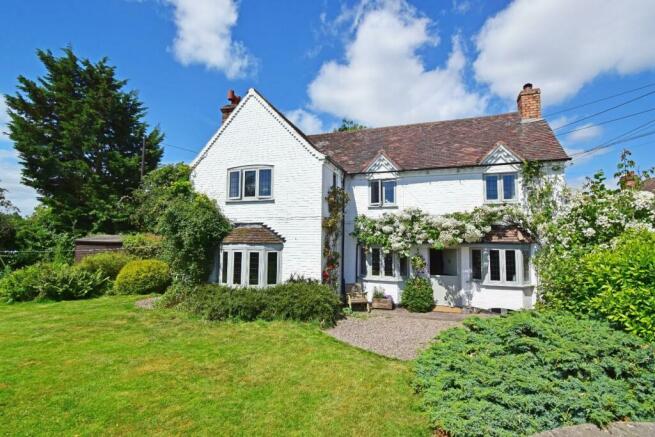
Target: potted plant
[(381, 301)]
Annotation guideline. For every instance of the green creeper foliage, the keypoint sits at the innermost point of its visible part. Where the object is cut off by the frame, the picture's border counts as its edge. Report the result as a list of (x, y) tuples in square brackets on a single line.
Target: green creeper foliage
[(79, 136), (192, 228), (143, 245), (534, 371), (107, 263), (143, 277), (417, 295), (299, 301)]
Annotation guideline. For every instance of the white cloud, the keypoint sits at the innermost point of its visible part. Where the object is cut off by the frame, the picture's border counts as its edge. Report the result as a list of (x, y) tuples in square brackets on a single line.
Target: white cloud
[(384, 81), (558, 122), (307, 122), (586, 132), (4, 119), (22, 196), (461, 6), (560, 45), (581, 159), (204, 36)]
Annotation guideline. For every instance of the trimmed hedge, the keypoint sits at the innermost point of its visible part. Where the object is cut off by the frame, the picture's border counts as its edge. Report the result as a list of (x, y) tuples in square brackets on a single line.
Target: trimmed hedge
[(51, 281), (417, 295), (143, 245), (143, 277), (304, 302), (107, 263), (530, 372)]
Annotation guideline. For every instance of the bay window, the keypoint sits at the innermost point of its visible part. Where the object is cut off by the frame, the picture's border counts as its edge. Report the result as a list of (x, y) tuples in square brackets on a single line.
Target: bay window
[(381, 264), (507, 265), (382, 192), (249, 265), (500, 187), (250, 183)]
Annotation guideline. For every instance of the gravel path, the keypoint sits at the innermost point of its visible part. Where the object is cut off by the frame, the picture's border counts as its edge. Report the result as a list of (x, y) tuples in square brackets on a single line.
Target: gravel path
[(396, 334), (618, 429)]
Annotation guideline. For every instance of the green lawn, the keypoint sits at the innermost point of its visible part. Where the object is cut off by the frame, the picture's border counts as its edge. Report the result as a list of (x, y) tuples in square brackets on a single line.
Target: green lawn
[(104, 367)]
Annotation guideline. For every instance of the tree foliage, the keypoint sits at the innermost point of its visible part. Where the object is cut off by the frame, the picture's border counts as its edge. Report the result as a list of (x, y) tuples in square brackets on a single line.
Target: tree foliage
[(349, 126), (79, 136)]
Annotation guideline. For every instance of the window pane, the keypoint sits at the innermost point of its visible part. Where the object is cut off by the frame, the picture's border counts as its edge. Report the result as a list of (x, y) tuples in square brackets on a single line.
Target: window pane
[(362, 261), (509, 183), (526, 266), (389, 188), (476, 263), (253, 268), (404, 266), (271, 276), (510, 265), (234, 184), (436, 262), (249, 178), (265, 182), (388, 264), (375, 262), (494, 265), (375, 192), (224, 269), (492, 187), (236, 271)]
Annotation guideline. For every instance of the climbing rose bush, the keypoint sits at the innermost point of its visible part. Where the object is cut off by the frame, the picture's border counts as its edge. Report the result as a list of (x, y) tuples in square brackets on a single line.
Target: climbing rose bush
[(399, 231)]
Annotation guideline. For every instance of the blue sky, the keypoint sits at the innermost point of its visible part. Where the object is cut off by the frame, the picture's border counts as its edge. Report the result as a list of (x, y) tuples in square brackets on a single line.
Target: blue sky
[(378, 62)]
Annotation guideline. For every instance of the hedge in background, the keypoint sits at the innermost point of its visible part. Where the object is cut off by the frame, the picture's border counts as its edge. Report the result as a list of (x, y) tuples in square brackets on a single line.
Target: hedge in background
[(51, 281), (532, 371), (304, 302), (417, 295), (143, 277), (107, 263), (143, 245)]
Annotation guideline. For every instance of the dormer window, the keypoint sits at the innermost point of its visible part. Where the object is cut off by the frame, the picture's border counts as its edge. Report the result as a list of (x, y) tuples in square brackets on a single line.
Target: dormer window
[(250, 183), (500, 187), (382, 192)]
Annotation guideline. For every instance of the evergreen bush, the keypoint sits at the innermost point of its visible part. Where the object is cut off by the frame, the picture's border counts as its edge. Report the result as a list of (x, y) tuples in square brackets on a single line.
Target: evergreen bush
[(143, 277)]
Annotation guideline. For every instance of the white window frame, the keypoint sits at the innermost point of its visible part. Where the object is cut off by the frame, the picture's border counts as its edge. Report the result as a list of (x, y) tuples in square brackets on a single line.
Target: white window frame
[(380, 184), (395, 259), (242, 185), (518, 259), (500, 187), (246, 250)]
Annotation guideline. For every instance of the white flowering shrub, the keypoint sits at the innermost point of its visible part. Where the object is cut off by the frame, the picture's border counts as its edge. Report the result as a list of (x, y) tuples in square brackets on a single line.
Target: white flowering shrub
[(399, 231)]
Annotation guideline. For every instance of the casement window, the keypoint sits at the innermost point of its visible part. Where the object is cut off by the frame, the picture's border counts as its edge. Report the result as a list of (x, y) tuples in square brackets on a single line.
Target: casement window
[(500, 187), (250, 183), (271, 268), (526, 266), (253, 267), (404, 266), (382, 264), (442, 262), (476, 264), (503, 265), (382, 192), (236, 267)]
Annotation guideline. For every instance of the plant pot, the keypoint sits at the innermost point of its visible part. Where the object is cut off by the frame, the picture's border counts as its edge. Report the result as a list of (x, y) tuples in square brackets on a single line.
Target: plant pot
[(382, 304)]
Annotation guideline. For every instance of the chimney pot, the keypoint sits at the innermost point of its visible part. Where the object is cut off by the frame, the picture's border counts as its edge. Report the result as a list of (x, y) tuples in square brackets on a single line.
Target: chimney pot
[(529, 103), (227, 109)]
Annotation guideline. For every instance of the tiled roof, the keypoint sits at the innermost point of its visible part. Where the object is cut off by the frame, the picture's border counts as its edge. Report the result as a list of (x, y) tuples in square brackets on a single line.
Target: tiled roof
[(442, 144), (648, 185), (252, 233), (507, 234)]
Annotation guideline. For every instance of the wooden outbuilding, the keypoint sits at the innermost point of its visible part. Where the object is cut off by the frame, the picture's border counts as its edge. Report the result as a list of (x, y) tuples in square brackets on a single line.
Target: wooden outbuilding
[(97, 243)]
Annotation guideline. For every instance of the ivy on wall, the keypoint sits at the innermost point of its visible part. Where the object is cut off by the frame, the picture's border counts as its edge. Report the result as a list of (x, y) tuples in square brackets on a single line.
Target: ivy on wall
[(336, 199)]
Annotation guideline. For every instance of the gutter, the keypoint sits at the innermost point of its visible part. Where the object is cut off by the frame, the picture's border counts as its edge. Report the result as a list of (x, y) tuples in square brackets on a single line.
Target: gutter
[(343, 238)]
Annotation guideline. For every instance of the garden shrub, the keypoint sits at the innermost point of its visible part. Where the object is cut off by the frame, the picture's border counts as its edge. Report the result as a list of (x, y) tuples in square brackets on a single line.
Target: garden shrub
[(107, 263), (616, 282), (143, 245), (143, 277), (417, 295), (534, 371), (53, 281), (304, 302)]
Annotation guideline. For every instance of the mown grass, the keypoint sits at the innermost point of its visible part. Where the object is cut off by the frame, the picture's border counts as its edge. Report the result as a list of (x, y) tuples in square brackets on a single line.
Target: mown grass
[(103, 366)]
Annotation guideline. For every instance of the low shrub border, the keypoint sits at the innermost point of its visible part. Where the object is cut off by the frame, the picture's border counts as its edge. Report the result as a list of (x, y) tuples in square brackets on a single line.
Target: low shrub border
[(107, 263), (531, 371), (143, 277), (300, 301)]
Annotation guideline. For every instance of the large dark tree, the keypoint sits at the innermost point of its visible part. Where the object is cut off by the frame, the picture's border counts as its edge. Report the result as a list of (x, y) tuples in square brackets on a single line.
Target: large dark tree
[(79, 136)]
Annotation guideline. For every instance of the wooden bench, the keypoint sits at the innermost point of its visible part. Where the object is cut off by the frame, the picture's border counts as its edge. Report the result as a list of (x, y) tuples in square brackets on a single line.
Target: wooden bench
[(356, 296)]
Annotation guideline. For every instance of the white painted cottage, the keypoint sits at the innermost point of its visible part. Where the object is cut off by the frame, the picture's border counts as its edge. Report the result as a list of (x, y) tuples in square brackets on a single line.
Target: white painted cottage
[(271, 180)]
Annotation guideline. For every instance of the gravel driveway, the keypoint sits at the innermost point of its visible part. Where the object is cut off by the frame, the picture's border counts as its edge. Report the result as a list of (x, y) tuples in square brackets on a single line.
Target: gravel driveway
[(396, 334)]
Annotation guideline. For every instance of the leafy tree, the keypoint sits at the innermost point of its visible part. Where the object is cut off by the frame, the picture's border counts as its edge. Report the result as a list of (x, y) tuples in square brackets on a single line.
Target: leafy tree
[(349, 126), (79, 136), (157, 190), (5, 204)]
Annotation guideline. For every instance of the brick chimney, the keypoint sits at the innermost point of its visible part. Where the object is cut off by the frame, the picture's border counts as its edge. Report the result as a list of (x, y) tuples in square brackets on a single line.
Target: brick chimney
[(227, 109), (529, 103)]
